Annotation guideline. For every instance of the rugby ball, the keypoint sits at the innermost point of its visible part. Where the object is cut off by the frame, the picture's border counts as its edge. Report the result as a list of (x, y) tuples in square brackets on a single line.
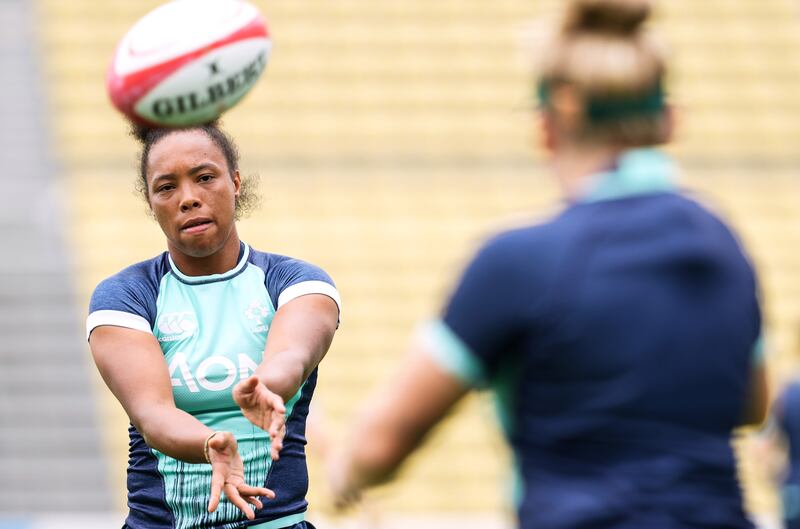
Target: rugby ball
[(188, 61)]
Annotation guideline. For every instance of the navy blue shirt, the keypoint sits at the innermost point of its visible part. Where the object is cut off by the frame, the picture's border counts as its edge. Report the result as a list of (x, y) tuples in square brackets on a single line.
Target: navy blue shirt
[(619, 337)]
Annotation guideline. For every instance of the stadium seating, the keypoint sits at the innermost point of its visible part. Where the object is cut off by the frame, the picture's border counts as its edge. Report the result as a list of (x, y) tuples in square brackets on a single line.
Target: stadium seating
[(49, 435)]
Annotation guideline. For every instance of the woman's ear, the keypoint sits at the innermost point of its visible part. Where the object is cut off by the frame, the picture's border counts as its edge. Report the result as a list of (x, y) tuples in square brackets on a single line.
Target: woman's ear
[(562, 118), (670, 118), (545, 127), (237, 183), (566, 106)]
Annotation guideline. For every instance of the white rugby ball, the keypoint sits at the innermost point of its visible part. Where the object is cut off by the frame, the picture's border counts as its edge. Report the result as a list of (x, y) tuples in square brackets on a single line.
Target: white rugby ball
[(188, 61)]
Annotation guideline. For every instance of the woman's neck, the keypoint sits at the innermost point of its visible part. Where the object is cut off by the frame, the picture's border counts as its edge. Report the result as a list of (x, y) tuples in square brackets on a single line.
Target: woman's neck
[(574, 165), (218, 262)]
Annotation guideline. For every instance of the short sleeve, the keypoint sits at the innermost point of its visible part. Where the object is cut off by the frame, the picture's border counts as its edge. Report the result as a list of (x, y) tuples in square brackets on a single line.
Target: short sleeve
[(480, 322), (292, 278), (758, 352), (127, 299)]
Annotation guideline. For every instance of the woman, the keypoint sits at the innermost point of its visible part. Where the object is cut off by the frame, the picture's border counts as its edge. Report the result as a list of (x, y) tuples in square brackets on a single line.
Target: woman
[(212, 349), (619, 336)]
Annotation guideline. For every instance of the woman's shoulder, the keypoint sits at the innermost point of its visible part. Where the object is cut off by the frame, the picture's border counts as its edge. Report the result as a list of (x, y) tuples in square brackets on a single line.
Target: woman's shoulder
[(288, 277), (143, 273), (285, 270), (535, 235), (271, 262), (132, 290), (525, 253), (710, 217)]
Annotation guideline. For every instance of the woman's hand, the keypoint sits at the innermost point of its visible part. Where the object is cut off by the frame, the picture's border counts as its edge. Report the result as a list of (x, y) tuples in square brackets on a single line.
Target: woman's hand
[(227, 474), (263, 408), (345, 494)]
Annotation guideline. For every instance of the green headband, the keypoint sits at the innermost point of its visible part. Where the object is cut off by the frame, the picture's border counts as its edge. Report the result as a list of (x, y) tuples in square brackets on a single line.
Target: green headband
[(611, 108)]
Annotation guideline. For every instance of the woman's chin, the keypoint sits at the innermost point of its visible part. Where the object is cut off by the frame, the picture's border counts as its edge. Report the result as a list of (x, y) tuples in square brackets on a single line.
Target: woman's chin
[(198, 247)]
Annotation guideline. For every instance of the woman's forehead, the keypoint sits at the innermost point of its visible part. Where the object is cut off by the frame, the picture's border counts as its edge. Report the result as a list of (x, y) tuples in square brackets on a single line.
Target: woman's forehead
[(184, 147)]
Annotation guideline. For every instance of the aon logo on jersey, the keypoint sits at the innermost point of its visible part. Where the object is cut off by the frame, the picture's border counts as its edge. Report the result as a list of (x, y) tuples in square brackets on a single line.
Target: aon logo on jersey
[(215, 373)]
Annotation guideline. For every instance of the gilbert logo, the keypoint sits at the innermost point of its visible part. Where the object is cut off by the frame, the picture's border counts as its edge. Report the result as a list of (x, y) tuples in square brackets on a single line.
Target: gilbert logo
[(174, 326), (258, 316)]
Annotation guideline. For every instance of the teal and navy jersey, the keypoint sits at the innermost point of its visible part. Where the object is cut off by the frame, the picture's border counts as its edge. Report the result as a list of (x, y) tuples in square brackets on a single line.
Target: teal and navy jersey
[(212, 330), (619, 338)]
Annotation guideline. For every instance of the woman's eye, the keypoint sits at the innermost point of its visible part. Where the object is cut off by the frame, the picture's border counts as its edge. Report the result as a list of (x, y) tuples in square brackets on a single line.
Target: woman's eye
[(164, 188)]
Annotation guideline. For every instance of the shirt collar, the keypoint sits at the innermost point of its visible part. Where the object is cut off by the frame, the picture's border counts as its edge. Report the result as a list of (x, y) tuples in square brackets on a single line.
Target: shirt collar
[(244, 253), (636, 172)]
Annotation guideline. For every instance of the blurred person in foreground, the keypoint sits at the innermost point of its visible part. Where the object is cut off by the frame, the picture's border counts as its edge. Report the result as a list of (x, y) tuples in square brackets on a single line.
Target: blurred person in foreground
[(212, 348), (620, 337)]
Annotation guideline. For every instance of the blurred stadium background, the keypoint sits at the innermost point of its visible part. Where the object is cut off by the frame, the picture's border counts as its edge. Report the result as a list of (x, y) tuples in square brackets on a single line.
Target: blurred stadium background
[(391, 136)]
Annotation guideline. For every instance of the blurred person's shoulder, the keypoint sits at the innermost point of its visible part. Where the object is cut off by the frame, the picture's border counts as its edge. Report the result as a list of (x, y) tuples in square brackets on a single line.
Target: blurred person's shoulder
[(706, 203), (530, 245), (527, 230), (715, 215)]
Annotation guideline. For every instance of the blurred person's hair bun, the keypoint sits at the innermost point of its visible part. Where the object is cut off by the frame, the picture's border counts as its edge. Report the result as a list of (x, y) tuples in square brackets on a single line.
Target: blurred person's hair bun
[(623, 18)]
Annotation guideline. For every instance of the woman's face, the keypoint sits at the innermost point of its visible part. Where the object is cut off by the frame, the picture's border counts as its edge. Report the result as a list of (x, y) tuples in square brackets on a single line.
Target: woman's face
[(192, 192)]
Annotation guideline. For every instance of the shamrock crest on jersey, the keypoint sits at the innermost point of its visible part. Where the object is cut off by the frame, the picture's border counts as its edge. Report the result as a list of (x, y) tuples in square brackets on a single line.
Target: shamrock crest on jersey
[(258, 314)]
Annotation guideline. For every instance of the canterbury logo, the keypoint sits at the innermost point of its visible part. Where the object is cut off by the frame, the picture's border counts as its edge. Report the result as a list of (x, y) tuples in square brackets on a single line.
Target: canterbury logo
[(176, 325)]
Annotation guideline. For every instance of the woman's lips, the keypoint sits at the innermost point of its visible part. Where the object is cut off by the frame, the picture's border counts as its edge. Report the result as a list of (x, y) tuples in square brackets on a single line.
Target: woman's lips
[(197, 228)]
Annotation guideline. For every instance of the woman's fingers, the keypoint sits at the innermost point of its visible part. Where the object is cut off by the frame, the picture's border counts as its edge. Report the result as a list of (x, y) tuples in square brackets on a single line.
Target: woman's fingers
[(277, 424), (227, 478), (277, 444), (217, 483), (240, 495), (346, 500), (247, 490), (253, 500), (276, 402), (277, 432), (236, 499), (245, 391)]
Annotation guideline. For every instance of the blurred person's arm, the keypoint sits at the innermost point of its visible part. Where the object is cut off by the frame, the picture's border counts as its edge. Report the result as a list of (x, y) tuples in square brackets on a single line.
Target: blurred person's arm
[(467, 347), (133, 366), (769, 448), (299, 337), (757, 396), (769, 444), (394, 424)]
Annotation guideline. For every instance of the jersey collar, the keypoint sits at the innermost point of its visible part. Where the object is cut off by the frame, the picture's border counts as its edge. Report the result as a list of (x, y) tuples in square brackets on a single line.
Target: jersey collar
[(636, 172), (244, 253)]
